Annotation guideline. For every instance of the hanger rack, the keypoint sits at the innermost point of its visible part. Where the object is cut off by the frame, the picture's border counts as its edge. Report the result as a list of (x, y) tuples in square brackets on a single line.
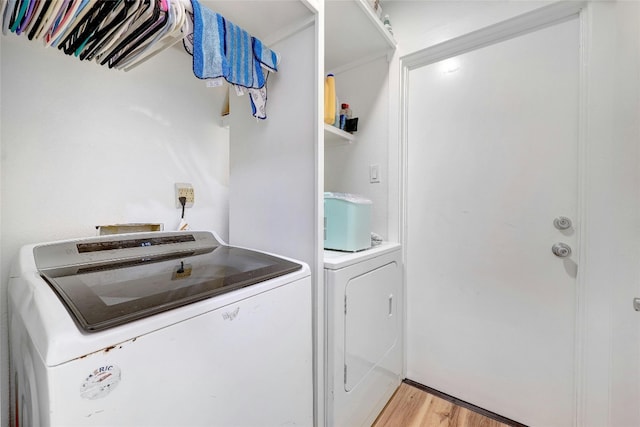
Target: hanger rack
[(119, 34), (122, 34)]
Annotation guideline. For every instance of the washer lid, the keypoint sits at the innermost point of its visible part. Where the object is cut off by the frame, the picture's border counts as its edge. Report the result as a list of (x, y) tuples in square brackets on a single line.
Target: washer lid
[(106, 293)]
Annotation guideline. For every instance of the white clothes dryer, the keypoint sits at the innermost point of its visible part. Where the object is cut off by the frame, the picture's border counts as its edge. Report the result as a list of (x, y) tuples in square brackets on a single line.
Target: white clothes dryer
[(364, 332), (159, 329)]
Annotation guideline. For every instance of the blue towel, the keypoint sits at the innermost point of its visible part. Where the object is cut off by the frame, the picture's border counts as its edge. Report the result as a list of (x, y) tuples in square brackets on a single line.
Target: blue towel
[(239, 57), (208, 42), (264, 55), (223, 49)]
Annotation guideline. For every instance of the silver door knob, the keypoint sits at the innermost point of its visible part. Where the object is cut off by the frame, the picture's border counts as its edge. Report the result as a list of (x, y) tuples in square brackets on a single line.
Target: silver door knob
[(562, 223), (561, 250)]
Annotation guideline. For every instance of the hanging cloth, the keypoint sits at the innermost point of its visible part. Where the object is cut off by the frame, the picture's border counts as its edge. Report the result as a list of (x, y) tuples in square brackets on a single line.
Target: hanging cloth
[(223, 49)]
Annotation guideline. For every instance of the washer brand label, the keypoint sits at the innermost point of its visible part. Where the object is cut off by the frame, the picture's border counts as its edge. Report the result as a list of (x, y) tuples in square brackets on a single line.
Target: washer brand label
[(230, 315), (100, 382)]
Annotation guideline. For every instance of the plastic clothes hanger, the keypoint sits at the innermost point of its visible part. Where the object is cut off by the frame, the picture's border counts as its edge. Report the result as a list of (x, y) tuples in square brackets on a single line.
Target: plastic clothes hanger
[(167, 37), (24, 5), (108, 42), (7, 16), (186, 5), (147, 29), (65, 19), (173, 36), (47, 18), (109, 26), (145, 33), (34, 16), (113, 16), (87, 26), (80, 25), (41, 16), (84, 7), (148, 41), (150, 44), (145, 12), (27, 17), (55, 20), (100, 21)]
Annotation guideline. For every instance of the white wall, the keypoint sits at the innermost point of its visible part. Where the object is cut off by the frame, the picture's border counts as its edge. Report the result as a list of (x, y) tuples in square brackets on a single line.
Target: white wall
[(366, 89), (612, 361), (83, 145), (273, 161), (274, 174), (422, 23)]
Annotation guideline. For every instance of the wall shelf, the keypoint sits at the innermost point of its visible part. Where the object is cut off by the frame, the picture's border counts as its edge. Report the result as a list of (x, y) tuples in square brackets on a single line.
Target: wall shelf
[(353, 35), (353, 32), (335, 136)]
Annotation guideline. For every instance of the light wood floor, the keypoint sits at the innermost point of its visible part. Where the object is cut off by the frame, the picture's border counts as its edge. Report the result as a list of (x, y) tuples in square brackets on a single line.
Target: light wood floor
[(411, 407)]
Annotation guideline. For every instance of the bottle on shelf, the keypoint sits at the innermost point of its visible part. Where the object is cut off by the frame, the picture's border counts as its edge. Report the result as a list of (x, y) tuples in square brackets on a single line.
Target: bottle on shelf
[(345, 113), (387, 24), (377, 7), (329, 99)]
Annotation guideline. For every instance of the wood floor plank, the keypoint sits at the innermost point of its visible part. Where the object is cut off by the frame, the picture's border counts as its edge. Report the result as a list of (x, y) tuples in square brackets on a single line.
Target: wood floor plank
[(437, 413), (396, 414), (412, 407)]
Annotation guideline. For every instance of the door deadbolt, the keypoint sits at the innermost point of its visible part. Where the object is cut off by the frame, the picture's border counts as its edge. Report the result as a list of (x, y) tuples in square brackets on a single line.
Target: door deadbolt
[(562, 223), (561, 250)]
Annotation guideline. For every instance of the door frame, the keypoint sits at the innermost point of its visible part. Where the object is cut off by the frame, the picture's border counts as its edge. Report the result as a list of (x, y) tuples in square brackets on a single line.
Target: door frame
[(522, 24)]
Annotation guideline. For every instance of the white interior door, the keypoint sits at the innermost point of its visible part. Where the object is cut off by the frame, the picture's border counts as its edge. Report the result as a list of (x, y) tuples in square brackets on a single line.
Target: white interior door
[(492, 144)]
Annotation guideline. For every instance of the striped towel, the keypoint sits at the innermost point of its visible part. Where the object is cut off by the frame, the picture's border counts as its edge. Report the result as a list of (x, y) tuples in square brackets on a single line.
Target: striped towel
[(223, 49)]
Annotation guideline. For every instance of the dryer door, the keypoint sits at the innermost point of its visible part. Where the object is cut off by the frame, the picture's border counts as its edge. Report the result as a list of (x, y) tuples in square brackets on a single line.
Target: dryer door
[(372, 321)]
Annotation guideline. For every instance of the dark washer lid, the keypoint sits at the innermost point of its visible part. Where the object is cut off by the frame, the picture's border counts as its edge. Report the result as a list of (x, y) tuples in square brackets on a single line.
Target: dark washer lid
[(105, 282)]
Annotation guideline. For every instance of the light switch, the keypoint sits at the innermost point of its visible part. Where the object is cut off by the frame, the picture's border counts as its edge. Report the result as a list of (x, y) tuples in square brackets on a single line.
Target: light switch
[(374, 174)]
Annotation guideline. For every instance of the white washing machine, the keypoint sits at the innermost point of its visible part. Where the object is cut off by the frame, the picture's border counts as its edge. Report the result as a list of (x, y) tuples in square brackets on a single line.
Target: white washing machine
[(159, 329), (364, 332)]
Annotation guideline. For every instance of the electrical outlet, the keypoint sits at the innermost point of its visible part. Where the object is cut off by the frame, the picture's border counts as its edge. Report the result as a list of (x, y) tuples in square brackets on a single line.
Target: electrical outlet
[(185, 190)]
